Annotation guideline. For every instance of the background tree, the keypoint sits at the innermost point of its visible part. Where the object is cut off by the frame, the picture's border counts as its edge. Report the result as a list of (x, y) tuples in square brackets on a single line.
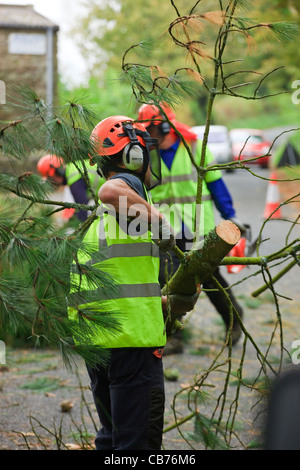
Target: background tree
[(112, 27)]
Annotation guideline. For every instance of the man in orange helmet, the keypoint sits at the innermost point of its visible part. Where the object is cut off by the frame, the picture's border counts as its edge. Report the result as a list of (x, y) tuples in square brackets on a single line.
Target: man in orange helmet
[(54, 169), (178, 191), (129, 391)]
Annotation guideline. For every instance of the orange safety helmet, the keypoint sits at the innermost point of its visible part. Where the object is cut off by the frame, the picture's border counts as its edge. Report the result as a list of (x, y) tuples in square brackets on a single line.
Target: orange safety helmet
[(110, 137), (150, 112), (121, 135), (49, 165)]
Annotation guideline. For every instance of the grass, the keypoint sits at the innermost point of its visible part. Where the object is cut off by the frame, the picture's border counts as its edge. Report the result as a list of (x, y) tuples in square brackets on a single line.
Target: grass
[(38, 370), (253, 303), (200, 352), (251, 382), (42, 385), (255, 445), (27, 357)]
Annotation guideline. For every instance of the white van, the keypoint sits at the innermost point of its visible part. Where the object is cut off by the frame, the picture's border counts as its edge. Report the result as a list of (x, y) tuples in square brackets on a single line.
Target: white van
[(218, 142)]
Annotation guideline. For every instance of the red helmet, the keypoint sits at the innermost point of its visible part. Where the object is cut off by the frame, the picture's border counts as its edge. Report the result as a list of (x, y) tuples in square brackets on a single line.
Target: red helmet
[(150, 112), (122, 135), (110, 135), (49, 164)]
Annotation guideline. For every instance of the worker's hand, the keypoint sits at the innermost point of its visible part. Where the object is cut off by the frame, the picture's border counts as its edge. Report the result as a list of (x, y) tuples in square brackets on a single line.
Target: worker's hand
[(181, 304), (239, 224), (164, 236)]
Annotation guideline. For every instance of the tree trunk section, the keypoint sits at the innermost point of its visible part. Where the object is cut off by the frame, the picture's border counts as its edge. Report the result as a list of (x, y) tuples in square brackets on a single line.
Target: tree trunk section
[(200, 263)]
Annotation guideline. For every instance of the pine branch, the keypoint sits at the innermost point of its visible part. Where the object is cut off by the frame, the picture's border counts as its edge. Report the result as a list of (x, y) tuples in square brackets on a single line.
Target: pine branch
[(16, 140), (284, 31)]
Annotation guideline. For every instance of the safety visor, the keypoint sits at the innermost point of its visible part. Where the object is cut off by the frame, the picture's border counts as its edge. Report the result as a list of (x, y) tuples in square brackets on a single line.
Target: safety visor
[(153, 156)]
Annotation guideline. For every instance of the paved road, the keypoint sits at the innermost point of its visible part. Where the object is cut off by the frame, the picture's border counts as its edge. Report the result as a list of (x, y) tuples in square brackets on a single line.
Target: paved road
[(249, 194)]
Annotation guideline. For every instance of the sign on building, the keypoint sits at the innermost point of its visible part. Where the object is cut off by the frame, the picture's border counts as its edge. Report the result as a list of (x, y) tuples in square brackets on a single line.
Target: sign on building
[(27, 43)]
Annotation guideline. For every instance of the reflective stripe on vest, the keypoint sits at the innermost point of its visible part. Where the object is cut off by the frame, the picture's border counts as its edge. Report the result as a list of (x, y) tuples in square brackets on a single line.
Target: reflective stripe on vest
[(128, 291), (177, 193), (129, 250), (183, 200)]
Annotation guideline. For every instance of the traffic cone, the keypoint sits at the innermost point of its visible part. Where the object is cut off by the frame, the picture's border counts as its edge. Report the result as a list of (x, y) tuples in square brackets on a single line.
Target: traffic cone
[(273, 200), (239, 251), (67, 213)]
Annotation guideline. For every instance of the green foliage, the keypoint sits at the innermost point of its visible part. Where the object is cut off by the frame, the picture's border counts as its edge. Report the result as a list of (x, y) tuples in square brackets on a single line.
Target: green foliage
[(105, 97), (208, 432), (110, 28), (42, 385), (171, 374), (261, 114), (251, 52), (285, 31), (16, 141)]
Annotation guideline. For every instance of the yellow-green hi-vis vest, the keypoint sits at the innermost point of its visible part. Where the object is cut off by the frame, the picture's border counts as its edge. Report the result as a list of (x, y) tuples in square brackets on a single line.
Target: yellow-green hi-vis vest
[(176, 196), (73, 175), (133, 263)]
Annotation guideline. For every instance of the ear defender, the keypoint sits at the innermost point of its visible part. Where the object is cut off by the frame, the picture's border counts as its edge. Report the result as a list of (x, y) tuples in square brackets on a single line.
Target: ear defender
[(133, 157), (164, 127), (60, 171)]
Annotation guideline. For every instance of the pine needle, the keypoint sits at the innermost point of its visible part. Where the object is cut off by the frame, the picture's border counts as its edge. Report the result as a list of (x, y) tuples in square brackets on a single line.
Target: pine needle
[(195, 76), (244, 23), (74, 354), (79, 114), (215, 17), (16, 140), (284, 31), (206, 431), (16, 309), (245, 4), (157, 72)]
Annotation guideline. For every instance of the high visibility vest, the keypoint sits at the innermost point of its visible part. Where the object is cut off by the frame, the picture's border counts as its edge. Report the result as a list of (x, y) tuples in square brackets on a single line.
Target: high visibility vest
[(73, 175), (133, 263), (176, 196)]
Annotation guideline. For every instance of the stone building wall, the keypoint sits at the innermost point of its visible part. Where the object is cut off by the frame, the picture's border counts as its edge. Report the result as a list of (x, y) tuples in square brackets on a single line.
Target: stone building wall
[(23, 69), (24, 39)]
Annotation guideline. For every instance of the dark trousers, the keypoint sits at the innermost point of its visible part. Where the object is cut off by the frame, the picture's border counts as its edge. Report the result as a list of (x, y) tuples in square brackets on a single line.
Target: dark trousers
[(216, 297), (129, 398)]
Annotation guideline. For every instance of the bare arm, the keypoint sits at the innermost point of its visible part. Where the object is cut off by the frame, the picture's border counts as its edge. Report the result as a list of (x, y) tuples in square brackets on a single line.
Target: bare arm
[(123, 198)]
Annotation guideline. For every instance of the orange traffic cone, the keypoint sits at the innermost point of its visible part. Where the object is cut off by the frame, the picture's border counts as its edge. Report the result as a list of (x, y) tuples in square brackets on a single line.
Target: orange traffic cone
[(273, 200), (239, 251), (67, 213)]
